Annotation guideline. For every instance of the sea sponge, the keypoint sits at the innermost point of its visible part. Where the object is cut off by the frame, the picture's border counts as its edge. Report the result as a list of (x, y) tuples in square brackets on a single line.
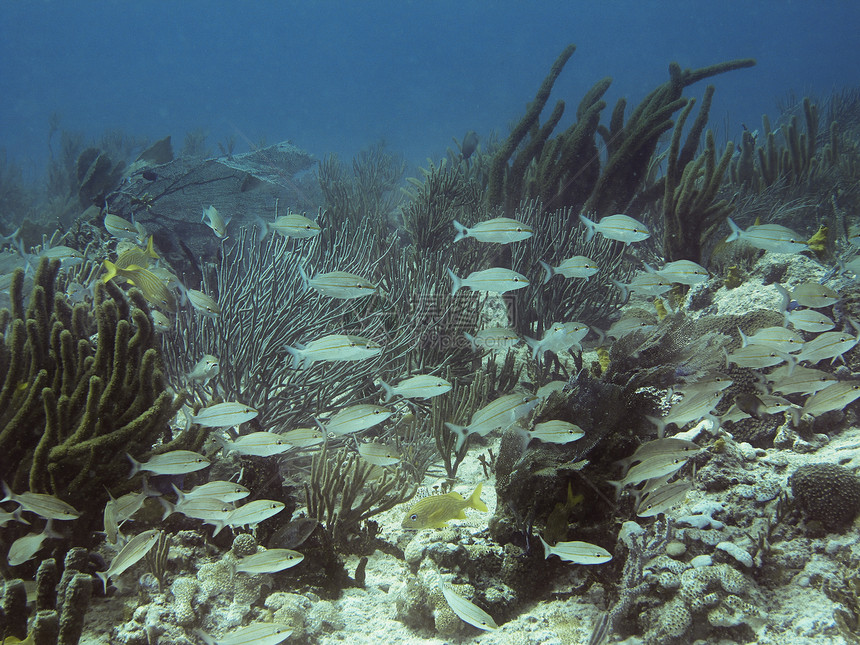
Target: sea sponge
[(184, 589), (828, 493), (244, 544)]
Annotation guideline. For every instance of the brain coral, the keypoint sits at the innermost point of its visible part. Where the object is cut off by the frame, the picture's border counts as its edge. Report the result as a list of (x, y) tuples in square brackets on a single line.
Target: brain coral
[(828, 493)]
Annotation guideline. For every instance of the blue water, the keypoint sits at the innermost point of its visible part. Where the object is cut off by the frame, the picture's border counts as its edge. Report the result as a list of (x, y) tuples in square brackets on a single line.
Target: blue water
[(337, 76)]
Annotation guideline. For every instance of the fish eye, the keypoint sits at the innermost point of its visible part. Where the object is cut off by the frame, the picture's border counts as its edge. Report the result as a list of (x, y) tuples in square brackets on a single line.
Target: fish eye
[(413, 517)]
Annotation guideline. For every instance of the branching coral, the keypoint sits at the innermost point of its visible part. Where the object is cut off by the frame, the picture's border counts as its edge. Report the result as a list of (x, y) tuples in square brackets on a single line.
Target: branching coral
[(344, 491), (83, 385), (566, 171)]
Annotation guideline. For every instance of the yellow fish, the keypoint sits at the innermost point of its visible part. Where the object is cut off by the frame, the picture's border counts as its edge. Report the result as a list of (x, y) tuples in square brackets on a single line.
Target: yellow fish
[(154, 290), (135, 255), (433, 512)]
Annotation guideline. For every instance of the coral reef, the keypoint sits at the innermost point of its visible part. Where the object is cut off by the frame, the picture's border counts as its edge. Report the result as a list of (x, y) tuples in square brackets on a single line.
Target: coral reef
[(828, 493), (83, 385)]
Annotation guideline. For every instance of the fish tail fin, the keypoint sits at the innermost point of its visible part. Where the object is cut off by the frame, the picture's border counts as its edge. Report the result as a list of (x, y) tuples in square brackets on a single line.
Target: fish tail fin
[(745, 341), (111, 271), (103, 576), (475, 499), (784, 302), (206, 638), (306, 281), (601, 335), (169, 508), (461, 432), (471, 340), (150, 248), (387, 389), (625, 292), (736, 230), (135, 466), (649, 268), (791, 359), (8, 495), (589, 227), (462, 231), (657, 421), (617, 485), (549, 271), (146, 490), (547, 549), (180, 496), (457, 282), (534, 344), (296, 353), (264, 228)]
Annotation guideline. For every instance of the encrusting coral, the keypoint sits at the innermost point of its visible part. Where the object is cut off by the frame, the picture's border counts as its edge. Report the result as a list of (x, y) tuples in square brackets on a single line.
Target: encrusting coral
[(83, 385)]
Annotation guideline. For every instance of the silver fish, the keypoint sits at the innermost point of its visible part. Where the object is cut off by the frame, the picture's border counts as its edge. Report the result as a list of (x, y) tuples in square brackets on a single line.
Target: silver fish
[(357, 417), (833, 397), (578, 266), (809, 294), (758, 357), (544, 391), (205, 369), (830, 344), (690, 408), (119, 227), (67, 256), (663, 498), (254, 634), (673, 446), (269, 561), (682, 272), (577, 552), (216, 222), (339, 284), (258, 444), (558, 338), (208, 509), (616, 227), (650, 468), (809, 320), (630, 324), (646, 284), (175, 462), (295, 225), (254, 512), (304, 437), (130, 503), (111, 523), (224, 415), (467, 611), (778, 338), (334, 347), (495, 339), (803, 380), (422, 386), (225, 491), (501, 230), (47, 506), (495, 280), (131, 554), (24, 548), (769, 237), (556, 432), (203, 303), (502, 412), (160, 322), (379, 454)]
